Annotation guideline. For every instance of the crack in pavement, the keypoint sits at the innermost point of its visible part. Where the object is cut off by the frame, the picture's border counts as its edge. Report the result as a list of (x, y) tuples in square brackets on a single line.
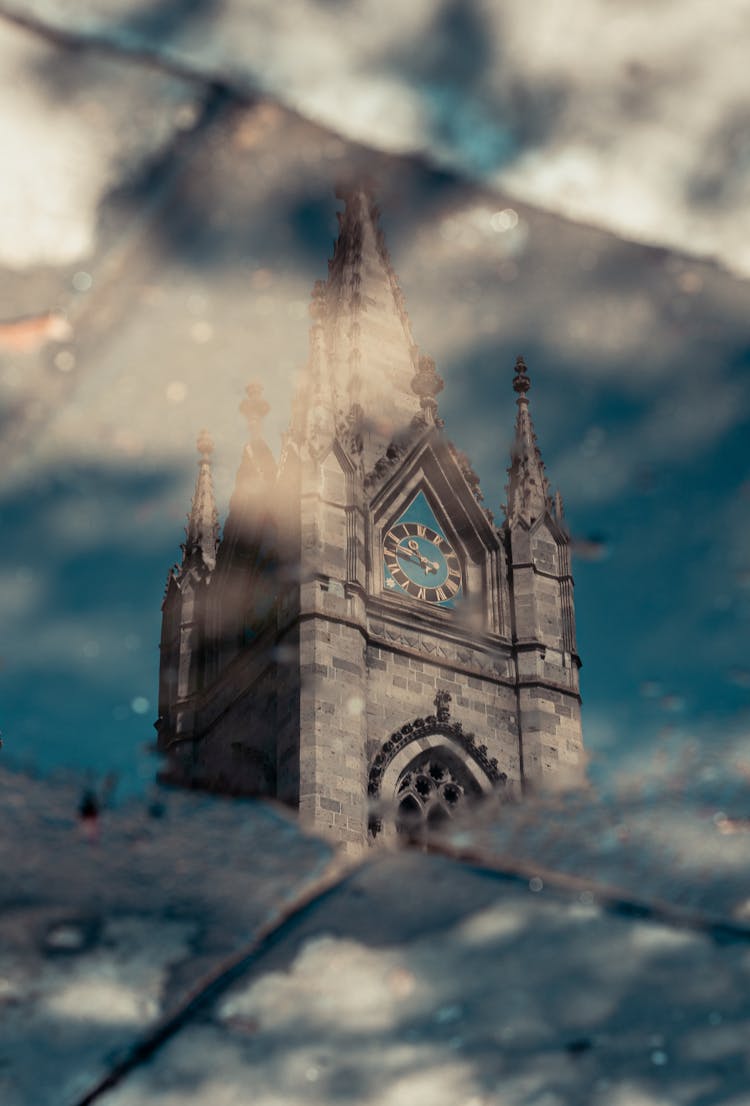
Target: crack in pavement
[(341, 872), (216, 982)]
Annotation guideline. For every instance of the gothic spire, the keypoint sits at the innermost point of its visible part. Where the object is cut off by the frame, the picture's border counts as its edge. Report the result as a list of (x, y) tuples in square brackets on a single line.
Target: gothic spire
[(362, 354), (527, 488), (202, 530), (314, 415)]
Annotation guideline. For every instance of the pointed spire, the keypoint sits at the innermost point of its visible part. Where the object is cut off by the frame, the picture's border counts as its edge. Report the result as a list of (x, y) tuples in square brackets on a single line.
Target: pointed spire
[(202, 530), (362, 354), (528, 488), (314, 416)]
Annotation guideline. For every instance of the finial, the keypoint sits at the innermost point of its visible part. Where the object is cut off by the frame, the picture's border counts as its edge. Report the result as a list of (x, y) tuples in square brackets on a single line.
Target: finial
[(254, 407), (205, 444), (353, 184), (427, 384), (521, 382)]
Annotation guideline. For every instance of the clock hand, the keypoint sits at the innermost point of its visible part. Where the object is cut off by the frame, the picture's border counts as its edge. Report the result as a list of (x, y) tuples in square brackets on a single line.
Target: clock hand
[(424, 561), (414, 554), (407, 555)]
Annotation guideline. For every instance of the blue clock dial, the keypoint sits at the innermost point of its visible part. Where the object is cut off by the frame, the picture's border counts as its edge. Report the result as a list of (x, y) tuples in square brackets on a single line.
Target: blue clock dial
[(418, 558)]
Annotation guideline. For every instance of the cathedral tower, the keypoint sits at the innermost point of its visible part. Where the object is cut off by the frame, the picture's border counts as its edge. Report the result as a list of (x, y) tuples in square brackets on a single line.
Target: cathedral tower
[(366, 644)]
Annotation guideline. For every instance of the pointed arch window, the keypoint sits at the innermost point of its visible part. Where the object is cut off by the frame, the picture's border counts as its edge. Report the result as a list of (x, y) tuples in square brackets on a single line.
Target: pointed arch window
[(430, 792)]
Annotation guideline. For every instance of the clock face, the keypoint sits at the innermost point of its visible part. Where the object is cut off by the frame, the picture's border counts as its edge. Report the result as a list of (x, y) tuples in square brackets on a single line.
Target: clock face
[(418, 558)]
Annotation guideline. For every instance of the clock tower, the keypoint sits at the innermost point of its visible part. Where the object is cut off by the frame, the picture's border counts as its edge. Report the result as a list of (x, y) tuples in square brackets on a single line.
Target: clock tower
[(365, 642)]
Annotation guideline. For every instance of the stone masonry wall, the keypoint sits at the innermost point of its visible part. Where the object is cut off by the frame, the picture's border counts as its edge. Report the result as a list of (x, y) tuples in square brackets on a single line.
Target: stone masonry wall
[(401, 688), (552, 748), (332, 783)]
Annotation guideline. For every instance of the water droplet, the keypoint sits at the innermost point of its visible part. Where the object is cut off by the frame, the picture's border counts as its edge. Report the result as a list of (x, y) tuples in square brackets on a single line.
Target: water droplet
[(64, 360), (139, 705), (504, 220), (82, 281), (186, 116), (176, 391), (201, 332), (536, 884)]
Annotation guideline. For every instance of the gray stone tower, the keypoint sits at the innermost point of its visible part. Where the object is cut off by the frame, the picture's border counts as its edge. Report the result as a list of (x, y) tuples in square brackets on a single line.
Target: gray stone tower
[(365, 643)]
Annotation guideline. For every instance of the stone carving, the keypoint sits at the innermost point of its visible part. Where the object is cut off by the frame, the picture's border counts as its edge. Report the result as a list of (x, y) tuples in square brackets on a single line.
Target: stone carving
[(352, 433), (469, 474), (472, 658), (427, 384), (413, 732), (385, 463), (442, 706), (426, 727)]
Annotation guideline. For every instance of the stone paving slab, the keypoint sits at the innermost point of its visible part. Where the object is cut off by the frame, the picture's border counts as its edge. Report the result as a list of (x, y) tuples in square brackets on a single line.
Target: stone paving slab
[(103, 928), (198, 951), (685, 846), (421, 980)]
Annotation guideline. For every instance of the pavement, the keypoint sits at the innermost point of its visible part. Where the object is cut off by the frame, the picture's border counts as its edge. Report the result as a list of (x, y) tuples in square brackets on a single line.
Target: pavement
[(197, 950)]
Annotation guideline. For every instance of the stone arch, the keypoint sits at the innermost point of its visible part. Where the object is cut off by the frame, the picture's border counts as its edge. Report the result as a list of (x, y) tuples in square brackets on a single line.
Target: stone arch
[(427, 743)]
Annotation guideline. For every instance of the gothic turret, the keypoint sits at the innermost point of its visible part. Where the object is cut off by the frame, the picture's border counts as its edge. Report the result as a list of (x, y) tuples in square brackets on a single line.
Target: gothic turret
[(202, 531), (528, 487), (244, 588), (538, 550), (183, 637)]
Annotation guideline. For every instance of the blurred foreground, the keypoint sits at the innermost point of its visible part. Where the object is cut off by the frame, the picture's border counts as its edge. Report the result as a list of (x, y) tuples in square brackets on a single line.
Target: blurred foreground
[(202, 951)]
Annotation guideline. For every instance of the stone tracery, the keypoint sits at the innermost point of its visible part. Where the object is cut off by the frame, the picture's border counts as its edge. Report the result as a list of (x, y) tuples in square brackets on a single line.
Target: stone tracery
[(435, 780)]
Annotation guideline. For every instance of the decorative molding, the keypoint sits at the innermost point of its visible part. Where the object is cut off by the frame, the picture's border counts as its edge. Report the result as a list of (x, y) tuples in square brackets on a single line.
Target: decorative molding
[(423, 728), (460, 655)]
